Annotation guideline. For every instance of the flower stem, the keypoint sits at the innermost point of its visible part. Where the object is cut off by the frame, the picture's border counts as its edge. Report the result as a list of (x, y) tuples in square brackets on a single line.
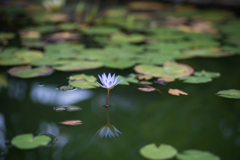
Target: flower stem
[(107, 104), (107, 97)]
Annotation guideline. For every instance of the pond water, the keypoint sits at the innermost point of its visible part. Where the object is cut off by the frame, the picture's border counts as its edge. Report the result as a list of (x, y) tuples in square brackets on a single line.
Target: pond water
[(201, 120)]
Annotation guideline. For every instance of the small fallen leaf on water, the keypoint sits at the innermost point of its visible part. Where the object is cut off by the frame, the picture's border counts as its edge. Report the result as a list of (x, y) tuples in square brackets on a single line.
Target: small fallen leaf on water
[(147, 89), (72, 122), (176, 92), (145, 82), (166, 79)]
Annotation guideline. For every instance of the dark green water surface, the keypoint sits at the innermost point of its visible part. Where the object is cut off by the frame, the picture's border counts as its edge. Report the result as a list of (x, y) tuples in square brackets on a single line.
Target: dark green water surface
[(201, 120)]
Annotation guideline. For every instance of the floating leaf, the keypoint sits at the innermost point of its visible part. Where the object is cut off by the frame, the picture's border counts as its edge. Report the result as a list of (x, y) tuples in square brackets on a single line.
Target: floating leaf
[(204, 73), (123, 38), (145, 82), (100, 30), (62, 36), (176, 92), (12, 61), (77, 65), (207, 52), (144, 76), (125, 81), (120, 63), (82, 77), (164, 151), (150, 89), (84, 84), (197, 155), (66, 88), (166, 79), (196, 79), (28, 55), (231, 93), (72, 122), (67, 108), (29, 72), (6, 35), (27, 141)]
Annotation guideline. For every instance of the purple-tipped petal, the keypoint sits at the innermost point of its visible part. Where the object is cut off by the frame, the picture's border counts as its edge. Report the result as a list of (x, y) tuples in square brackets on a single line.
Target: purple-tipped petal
[(113, 76)]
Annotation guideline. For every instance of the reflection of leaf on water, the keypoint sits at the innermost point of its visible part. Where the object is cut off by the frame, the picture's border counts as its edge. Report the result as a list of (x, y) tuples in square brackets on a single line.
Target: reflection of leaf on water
[(108, 130), (3, 81)]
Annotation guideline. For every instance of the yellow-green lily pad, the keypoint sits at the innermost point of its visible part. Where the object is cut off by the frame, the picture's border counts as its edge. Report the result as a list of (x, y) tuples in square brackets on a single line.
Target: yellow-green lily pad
[(120, 63), (28, 55), (162, 152), (82, 77), (29, 72), (100, 30), (27, 141), (196, 79), (231, 93), (197, 155), (12, 61), (84, 84), (123, 38), (126, 80)]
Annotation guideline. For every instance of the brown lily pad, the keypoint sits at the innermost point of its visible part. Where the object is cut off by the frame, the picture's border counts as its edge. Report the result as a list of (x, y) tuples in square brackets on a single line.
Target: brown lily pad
[(150, 89), (29, 72), (72, 122), (176, 92)]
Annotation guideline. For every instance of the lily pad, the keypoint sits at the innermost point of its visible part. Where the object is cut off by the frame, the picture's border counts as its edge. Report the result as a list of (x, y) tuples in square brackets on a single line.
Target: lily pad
[(82, 77), (84, 84), (204, 73), (27, 141), (231, 93), (196, 79), (66, 88), (5, 35), (126, 80), (67, 108), (28, 55), (149, 89), (29, 72), (12, 61), (76, 65), (164, 151), (120, 63), (100, 30), (197, 155), (123, 38)]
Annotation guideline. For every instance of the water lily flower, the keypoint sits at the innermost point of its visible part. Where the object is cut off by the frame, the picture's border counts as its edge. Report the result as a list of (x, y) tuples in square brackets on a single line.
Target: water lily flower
[(108, 81), (108, 130)]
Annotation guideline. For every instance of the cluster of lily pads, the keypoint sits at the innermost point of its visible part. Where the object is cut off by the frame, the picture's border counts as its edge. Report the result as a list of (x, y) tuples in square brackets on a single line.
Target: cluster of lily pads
[(164, 151)]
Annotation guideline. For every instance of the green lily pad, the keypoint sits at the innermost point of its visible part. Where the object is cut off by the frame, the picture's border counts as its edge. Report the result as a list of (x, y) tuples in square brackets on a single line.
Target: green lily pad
[(197, 155), (44, 61), (28, 55), (100, 30), (29, 72), (123, 38), (12, 61), (204, 73), (120, 63), (207, 52), (6, 35), (196, 79), (66, 88), (76, 65), (126, 80), (82, 77), (67, 26), (27, 141), (84, 84), (231, 93), (232, 49), (8, 52), (164, 151)]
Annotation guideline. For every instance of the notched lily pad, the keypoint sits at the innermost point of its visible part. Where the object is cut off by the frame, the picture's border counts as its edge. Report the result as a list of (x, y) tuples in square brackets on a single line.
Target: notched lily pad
[(29, 72), (164, 151), (197, 155), (27, 141), (204, 73), (231, 93), (196, 79)]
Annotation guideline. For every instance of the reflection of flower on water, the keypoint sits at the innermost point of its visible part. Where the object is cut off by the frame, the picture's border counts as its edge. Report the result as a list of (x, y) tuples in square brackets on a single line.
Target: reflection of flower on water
[(108, 130)]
